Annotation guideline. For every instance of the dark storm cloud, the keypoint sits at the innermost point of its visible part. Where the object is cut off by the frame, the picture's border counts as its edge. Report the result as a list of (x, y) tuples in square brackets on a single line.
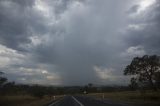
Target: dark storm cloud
[(18, 21), (13, 22), (83, 43), (148, 35), (74, 42)]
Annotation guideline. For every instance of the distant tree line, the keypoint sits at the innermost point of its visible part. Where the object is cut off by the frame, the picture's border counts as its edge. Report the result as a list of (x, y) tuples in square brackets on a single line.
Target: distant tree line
[(144, 72), (11, 88)]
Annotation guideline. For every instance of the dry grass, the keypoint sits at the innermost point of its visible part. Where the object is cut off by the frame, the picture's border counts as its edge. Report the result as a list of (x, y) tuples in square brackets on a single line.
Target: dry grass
[(25, 100), (130, 96)]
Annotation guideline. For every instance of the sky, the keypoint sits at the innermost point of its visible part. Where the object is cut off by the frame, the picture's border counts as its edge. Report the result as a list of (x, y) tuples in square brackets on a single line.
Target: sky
[(75, 42)]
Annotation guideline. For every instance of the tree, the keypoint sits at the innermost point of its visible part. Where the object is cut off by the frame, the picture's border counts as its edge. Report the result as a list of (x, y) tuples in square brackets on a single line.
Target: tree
[(2, 79), (157, 79), (144, 69), (134, 84), (90, 85)]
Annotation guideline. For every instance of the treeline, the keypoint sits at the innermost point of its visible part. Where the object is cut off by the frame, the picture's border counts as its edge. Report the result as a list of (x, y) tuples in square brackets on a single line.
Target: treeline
[(11, 88), (40, 90), (144, 72)]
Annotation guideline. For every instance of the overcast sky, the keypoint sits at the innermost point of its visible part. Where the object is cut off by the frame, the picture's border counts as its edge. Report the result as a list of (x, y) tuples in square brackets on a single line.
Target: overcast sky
[(75, 42)]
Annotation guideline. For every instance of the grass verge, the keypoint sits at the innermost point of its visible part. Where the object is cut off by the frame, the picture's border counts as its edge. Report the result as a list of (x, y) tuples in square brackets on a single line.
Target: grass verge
[(25, 100), (148, 97)]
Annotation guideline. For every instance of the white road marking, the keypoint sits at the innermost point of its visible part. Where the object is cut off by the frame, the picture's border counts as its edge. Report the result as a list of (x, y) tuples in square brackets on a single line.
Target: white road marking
[(55, 102), (77, 101)]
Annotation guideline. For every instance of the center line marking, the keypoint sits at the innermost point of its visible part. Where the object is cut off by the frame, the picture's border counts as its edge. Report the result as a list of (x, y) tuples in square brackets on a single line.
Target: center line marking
[(77, 101)]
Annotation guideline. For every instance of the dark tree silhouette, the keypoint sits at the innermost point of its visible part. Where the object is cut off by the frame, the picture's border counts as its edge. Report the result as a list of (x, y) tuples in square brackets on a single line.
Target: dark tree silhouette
[(157, 79), (144, 69), (134, 84), (2, 79)]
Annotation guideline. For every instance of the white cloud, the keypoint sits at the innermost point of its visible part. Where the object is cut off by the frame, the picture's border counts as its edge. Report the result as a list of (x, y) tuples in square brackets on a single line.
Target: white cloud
[(104, 73), (45, 72), (134, 51), (35, 40), (42, 7), (9, 56), (136, 27), (110, 76), (53, 77), (34, 75), (144, 4), (142, 7)]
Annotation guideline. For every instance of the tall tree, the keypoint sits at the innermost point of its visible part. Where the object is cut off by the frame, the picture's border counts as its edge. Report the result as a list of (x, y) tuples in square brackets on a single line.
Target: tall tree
[(144, 69)]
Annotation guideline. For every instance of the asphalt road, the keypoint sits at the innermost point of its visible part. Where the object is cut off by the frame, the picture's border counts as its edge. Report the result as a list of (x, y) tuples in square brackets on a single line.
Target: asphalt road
[(83, 101)]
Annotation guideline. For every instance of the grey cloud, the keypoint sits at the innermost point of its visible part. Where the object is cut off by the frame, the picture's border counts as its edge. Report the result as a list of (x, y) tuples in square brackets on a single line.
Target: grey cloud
[(133, 9), (19, 20), (84, 43), (149, 36), (72, 39), (13, 23)]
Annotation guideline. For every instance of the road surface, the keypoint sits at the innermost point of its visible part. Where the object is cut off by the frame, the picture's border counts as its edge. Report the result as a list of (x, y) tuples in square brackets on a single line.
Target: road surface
[(83, 101)]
